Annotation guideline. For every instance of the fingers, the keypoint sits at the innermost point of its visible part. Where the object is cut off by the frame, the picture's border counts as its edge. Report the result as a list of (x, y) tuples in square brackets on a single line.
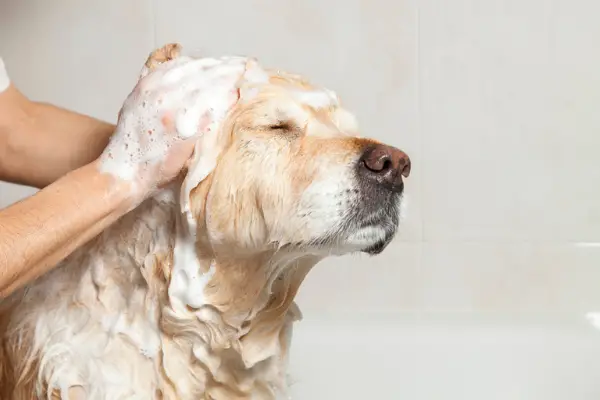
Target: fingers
[(207, 98), (159, 56), (177, 158), (165, 53), (191, 75)]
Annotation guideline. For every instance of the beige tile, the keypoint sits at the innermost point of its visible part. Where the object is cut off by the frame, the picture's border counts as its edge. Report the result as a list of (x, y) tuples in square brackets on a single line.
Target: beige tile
[(360, 359), (360, 284), (367, 56), (467, 357), (463, 277), (510, 127), (81, 55)]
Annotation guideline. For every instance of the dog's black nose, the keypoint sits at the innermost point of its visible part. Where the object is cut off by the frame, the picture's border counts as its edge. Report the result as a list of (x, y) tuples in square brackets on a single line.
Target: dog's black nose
[(385, 165)]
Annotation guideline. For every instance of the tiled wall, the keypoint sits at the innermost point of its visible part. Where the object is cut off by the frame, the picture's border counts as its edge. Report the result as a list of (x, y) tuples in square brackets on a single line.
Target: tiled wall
[(495, 100)]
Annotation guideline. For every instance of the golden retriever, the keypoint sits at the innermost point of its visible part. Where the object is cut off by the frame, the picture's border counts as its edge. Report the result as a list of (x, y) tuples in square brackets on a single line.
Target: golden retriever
[(162, 306)]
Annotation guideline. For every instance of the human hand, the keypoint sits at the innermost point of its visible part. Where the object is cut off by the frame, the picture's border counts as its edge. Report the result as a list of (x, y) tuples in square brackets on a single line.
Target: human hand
[(176, 99)]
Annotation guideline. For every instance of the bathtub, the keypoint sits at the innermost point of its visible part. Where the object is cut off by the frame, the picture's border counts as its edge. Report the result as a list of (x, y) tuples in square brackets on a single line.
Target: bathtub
[(446, 356)]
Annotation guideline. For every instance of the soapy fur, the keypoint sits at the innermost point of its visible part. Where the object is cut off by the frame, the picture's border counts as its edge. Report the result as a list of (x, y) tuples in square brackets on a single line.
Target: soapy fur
[(191, 295), (4, 80)]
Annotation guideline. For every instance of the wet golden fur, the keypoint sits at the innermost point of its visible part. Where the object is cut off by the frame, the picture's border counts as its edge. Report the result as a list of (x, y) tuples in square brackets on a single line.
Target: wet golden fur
[(101, 325)]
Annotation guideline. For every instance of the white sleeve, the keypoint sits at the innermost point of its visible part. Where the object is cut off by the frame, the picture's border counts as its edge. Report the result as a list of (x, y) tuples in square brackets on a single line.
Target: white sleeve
[(4, 81)]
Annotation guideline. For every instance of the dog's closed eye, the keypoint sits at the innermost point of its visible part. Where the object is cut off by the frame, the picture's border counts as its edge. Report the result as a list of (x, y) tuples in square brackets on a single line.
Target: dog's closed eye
[(281, 125)]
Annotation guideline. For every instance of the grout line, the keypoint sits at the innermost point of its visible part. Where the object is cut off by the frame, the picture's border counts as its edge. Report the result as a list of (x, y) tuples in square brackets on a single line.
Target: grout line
[(586, 244), (153, 17), (419, 280), (502, 242), (420, 132)]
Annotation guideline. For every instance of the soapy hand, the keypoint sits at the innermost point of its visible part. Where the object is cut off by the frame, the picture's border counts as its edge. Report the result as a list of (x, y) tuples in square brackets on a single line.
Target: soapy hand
[(176, 99)]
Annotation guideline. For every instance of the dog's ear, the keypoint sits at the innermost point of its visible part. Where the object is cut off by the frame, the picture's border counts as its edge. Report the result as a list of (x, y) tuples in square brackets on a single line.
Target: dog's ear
[(190, 269), (214, 142), (196, 183)]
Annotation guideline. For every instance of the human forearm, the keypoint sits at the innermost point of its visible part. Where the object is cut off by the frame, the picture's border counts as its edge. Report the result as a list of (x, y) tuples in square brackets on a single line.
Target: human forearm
[(40, 142), (155, 138), (37, 233)]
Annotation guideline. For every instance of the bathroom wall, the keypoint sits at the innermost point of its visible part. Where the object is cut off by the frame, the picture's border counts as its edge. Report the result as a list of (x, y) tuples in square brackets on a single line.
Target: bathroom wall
[(495, 101)]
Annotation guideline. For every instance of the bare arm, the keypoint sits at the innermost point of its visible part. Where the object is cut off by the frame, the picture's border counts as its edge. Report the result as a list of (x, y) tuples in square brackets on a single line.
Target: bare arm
[(38, 232), (40, 143), (147, 151)]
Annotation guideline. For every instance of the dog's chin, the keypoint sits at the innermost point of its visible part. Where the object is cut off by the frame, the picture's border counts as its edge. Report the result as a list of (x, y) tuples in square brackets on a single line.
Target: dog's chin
[(371, 239), (379, 233), (377, 248), (381, 242), (364, 231)]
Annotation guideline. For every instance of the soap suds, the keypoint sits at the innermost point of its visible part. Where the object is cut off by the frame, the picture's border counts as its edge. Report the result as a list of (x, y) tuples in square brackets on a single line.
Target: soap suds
[(253, 77), (176, 101), (4, 80), (188, 281), (317, 98), (205, 155)]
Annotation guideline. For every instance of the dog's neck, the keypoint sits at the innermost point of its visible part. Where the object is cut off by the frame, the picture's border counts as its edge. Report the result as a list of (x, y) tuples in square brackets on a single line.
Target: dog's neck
[(237, 340)]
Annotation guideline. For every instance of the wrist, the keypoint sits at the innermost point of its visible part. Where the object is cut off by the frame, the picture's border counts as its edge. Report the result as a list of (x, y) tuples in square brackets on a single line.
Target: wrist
[(120, 195), (125, 192)]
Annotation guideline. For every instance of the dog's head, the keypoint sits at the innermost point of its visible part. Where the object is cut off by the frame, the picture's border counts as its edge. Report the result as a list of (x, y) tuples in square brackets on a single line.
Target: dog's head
[(292, 173), (280, 182)]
